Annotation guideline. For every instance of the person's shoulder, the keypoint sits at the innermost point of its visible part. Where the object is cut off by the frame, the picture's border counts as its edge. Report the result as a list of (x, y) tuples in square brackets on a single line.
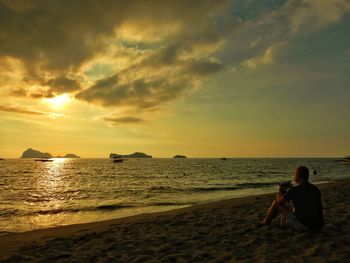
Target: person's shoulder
[(297, 187), (306, 186), (313, 187)]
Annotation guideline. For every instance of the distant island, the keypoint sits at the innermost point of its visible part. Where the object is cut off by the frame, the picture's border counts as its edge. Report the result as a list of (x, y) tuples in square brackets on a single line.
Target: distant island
[(133, 155), (31, 153), (179, 156), (71, 155)]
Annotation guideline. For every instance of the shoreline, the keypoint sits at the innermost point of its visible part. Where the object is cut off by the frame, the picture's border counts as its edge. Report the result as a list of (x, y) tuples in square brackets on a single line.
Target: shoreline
[(160, 222), (135, 211)]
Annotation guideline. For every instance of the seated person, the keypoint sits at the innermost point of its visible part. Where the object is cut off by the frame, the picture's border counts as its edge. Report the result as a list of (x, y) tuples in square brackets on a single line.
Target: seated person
[(306, 198)]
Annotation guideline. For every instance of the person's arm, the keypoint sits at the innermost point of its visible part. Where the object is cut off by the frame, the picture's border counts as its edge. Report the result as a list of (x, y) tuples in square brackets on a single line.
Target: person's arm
[(280, 198), (288, 196)]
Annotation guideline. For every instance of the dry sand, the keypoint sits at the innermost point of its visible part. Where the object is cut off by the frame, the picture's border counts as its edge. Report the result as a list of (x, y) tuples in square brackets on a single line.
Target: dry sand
[(222, 231)]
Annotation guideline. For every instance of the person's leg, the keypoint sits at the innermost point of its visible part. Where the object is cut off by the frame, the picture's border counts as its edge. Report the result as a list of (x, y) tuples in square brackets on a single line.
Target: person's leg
[(273, 212), (284, 210), (296, 224)]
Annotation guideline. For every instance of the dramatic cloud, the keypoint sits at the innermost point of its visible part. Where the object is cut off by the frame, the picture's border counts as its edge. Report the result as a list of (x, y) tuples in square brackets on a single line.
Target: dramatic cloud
[(54, 47), (139, 93), (140, 55), (63, 84)]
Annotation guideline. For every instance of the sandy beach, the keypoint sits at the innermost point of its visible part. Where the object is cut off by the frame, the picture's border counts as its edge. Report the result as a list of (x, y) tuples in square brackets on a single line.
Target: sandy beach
[(223, 231)]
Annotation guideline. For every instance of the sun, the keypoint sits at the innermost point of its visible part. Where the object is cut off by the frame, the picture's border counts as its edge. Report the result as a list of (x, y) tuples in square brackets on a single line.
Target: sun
[(59, 102)]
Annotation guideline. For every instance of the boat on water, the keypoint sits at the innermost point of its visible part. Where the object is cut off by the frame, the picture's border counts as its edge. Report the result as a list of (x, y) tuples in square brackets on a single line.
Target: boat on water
[(43, 160), (117, 159)]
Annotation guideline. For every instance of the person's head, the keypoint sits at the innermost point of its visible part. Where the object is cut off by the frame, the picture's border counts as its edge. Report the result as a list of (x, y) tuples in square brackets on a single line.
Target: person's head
[(301, 174)]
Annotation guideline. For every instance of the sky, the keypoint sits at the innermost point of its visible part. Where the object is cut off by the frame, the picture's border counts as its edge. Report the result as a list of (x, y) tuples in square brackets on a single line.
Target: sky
[(239, 78)]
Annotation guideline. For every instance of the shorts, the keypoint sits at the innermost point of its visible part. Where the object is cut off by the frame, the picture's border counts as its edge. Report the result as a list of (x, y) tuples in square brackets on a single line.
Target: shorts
[(297, 225)]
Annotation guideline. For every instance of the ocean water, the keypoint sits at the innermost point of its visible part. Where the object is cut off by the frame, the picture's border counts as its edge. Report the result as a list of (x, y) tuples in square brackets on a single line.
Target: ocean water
[(35, 195)]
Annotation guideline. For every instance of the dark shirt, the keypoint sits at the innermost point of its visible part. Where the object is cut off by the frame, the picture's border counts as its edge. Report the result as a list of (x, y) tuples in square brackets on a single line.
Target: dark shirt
[(307, 202)]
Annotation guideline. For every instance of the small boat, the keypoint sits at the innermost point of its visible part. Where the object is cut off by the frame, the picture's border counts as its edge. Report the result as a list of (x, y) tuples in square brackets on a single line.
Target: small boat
[(223, 158), (43, 160), (118, 160), (1, 159)]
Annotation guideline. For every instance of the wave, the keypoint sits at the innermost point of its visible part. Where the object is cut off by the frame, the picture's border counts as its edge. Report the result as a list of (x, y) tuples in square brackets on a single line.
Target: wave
[(239, 186), (170, 203), (112, 207), (54, 211), (109, 207), (209, 189), (4, 233), (8, 212), (258, 185)]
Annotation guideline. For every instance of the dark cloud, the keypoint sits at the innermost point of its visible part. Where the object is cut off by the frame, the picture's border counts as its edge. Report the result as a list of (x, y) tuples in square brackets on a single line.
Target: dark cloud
[(52, 35), (63, 84), (122, 120), (53, 40), (21, 110), (166, 55), (18, 92), (60, 35), (167, 47), (140, 93), (41, 95), (203, 67)]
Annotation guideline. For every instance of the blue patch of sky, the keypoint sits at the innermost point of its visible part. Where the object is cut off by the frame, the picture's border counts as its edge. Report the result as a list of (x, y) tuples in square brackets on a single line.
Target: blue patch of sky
[(140, 45), (99, 70), (250, 9)]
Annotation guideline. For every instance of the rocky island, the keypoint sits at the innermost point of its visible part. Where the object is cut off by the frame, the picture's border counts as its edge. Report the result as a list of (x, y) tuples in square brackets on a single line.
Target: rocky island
[(133, 155), (179, 156), (31, 153), (71, 155)]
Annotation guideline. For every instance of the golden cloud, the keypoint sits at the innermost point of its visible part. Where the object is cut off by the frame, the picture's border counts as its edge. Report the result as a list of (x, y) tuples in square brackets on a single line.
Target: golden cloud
[(140, 55), (150, 46)]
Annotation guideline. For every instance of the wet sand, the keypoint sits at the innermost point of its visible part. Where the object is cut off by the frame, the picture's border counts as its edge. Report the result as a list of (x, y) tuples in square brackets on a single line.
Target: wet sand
[(222, 231)]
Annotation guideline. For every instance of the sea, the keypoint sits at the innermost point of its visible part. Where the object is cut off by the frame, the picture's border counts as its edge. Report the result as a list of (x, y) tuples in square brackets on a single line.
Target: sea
[(36, 195)]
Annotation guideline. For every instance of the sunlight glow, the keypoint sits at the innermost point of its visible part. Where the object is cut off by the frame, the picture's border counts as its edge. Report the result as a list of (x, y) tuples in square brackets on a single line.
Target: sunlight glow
[(59, 102)]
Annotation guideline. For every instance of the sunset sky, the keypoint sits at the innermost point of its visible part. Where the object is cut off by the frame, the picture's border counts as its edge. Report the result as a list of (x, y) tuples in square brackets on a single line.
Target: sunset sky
[(238, 78)]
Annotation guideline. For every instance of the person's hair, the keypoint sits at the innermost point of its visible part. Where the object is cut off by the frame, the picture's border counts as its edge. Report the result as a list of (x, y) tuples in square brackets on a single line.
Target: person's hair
[(303, 172)]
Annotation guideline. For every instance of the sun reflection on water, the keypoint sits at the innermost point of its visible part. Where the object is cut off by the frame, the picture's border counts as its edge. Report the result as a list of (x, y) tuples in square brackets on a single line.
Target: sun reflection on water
[(49, 192), (53, 175)]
